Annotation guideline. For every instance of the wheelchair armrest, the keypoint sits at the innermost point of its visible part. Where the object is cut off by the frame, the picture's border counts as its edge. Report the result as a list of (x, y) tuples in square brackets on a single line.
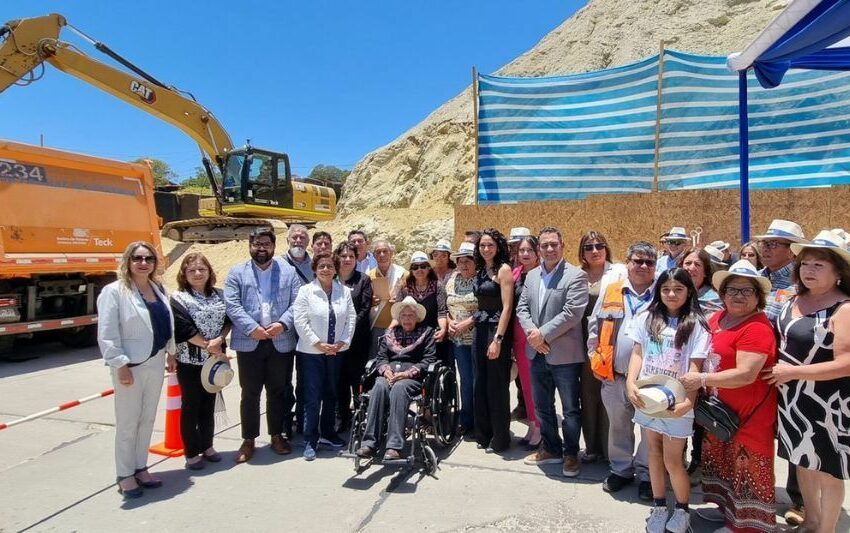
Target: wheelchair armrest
[(371, 367), (433, 367)]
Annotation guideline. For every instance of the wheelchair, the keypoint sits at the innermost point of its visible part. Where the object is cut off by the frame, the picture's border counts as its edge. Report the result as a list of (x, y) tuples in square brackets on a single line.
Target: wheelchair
[(432, 418)]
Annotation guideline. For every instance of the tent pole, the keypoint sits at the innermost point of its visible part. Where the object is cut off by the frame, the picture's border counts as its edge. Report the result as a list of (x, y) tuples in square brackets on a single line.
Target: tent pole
[(743, 139), (475, 131), (658, 99)]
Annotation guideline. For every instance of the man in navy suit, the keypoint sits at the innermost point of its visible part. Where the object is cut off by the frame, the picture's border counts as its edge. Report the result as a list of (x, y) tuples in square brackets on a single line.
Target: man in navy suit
[(259, 295)]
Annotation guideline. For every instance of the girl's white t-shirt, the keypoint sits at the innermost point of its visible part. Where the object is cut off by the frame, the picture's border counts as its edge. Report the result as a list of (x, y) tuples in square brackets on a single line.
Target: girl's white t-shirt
[(661, 356)]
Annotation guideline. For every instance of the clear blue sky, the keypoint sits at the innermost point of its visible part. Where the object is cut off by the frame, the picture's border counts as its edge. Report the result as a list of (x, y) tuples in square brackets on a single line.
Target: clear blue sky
[(324, 81)]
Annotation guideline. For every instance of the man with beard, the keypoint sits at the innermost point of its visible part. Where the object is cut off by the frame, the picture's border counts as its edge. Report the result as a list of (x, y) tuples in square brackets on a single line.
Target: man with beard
[(259, 295), (297, 255)]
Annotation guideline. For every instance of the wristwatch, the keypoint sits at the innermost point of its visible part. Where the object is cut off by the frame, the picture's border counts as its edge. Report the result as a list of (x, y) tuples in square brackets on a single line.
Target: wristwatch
[(499, 338)]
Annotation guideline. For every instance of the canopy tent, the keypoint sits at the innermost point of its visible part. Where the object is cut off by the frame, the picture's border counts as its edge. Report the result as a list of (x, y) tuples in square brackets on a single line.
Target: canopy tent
[(808, 34)]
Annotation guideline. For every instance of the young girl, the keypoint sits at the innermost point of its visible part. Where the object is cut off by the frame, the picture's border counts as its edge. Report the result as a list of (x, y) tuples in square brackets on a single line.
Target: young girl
[(672, 338)]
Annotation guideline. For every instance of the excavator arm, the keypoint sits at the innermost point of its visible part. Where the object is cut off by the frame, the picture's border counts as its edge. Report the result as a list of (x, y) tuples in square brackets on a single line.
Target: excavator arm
[(31, 42)]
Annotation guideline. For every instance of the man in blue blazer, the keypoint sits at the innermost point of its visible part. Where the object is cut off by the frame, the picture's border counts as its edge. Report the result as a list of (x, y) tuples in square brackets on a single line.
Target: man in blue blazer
[(550, 311), (259, 295)]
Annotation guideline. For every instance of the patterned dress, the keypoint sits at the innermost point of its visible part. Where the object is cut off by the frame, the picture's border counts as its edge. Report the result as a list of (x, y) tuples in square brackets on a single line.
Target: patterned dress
[(814, 416)]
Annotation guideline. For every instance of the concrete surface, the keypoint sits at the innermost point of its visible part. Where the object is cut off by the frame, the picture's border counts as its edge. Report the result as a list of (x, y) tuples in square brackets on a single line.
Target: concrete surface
[(56, 474)]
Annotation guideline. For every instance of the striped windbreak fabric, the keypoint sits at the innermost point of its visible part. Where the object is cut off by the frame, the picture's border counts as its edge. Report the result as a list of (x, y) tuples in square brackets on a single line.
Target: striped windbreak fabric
[(566, 137)]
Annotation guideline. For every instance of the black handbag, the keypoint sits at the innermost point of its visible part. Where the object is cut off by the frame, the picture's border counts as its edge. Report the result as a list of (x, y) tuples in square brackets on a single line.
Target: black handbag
[(718, 418)]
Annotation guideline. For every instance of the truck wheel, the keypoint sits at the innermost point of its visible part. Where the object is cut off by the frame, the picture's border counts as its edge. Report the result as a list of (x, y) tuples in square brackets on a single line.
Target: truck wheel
[(81, 337), (7, 344)]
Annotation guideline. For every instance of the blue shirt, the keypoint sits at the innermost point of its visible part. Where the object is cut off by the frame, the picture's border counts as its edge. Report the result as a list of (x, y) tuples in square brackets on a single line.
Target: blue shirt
[(782, 288), (546, 278), (304, 269), (161, 323)]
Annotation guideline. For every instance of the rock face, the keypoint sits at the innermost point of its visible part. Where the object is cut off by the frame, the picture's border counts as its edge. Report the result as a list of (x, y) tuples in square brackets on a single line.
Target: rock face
[(410, 185)]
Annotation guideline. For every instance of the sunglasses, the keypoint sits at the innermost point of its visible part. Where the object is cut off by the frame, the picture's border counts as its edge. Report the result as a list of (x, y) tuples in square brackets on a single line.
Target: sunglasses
[(138, 259), (745, 292), (416, 267), (770, 245), (675, 243), (590, 247), (643, 262)]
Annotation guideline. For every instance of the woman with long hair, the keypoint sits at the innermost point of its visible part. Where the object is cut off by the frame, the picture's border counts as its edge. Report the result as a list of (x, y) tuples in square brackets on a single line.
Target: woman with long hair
[(671, 339), (527, 259), (494, 288), (200, 326), (135, 330)]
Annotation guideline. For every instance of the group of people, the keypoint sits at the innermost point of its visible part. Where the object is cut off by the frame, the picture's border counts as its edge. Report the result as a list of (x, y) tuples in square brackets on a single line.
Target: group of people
[(762, 334)]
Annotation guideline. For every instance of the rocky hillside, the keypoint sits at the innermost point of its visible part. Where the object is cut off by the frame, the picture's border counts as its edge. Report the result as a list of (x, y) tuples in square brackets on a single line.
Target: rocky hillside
[(406, 189)]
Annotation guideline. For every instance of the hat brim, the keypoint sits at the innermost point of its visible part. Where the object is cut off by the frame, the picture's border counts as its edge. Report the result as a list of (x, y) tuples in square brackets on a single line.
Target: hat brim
[(673, 384), (797, 248), (430, 263), (463, 254), (719, 276), (397, 307), (205, 371), (779, 237)]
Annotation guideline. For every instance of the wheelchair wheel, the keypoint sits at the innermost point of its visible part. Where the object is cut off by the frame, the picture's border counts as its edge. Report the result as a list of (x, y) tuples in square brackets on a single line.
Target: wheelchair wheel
[(358, 429), (429, 458), (444, 405)]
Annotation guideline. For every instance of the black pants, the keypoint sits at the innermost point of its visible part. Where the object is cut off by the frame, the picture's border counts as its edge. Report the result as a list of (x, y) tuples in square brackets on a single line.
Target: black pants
[(298, 400), (197, 414), (492, 399), (269, 368)]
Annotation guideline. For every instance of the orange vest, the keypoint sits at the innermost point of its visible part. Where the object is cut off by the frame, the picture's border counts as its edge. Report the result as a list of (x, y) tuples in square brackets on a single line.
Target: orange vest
[(610, 315)]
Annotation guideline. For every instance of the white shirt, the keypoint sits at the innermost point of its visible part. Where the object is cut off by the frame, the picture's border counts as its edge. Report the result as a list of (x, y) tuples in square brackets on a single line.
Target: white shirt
[(265, 279), (545, 278), (311, 314)]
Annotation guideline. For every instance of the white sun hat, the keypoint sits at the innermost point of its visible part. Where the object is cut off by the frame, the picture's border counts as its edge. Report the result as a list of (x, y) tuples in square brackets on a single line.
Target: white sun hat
[(442, 245), (676, 234), (216, 374), (408, 301), (826, 239), (420, 257), (715, 254), (783, 229), (720, 245), (659, 394), (466, 249), (744, 269), (518, 233)]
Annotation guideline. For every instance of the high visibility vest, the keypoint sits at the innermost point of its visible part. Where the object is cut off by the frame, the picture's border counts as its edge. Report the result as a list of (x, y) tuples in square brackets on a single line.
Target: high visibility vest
[(610, 317)]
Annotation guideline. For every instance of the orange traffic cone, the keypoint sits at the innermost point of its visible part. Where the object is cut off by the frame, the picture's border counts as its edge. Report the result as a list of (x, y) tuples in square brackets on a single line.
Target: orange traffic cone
[(172, 446)]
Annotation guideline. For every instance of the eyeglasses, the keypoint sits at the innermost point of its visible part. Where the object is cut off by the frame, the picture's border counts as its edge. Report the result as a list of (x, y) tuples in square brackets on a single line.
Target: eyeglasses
[(590, 247), (325, 266), (266, 245), (770, 245), (642, 262), (424, 266), (746, 292), (550, 245), (138, 259), (674, 243)]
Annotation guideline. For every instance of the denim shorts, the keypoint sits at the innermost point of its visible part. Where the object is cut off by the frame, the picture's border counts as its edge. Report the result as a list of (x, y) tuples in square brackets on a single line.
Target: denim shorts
[(679, 428)]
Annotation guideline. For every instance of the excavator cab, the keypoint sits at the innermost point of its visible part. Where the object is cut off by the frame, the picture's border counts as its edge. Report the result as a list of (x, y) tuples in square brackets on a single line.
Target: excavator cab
[(255, 177)]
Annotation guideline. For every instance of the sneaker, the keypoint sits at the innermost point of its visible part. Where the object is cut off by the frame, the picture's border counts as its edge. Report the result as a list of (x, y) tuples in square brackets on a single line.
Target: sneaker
[(585, 457), (711, 514), (333, 441), (309, 452), (645, 491), (614, 483), (680, 522), (795, 515), (571, 466), (542, 457), (657, 520)]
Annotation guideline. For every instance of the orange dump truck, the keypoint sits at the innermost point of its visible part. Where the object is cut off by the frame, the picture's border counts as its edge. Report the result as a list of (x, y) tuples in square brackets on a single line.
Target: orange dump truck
[(65, 220)]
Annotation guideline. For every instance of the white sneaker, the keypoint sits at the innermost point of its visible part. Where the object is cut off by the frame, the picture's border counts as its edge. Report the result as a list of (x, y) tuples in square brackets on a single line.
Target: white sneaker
[(657, 520), (680, 522)]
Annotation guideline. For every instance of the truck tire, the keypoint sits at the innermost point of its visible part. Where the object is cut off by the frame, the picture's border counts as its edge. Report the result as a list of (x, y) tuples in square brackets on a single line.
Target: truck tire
[(81, 337), (7, 344)]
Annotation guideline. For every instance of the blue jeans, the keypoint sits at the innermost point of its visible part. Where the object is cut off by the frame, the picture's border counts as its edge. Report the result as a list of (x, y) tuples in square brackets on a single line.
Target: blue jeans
[(545, 379), (321, 376), (466, 372)]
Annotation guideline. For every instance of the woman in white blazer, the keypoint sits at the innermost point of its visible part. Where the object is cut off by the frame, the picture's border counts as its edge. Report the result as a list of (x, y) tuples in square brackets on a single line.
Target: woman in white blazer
[(135, 330), (324, 321)]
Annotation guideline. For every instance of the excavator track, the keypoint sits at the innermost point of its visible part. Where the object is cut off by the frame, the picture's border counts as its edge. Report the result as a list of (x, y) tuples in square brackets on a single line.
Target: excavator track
[(216, 229)]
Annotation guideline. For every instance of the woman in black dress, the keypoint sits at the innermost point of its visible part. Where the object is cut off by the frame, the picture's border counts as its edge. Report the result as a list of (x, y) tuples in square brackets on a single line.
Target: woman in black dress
[(355, 357), (422, 284), (491, 345), (813, 377)]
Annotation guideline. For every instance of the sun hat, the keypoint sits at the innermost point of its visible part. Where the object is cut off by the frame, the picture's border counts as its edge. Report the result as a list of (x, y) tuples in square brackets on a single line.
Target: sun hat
[(442, 245), (715, 254), (783, 229), (676, 234), (720, 245), (826, 239), (420, 257), (216, 374), (843, 234), (744, 269), (659, 394), (518, 233), (466, 249), (408, 301)]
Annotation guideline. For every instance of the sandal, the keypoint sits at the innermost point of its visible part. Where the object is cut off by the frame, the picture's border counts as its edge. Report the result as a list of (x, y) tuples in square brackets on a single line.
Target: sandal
[(129, 494), (150, 483)]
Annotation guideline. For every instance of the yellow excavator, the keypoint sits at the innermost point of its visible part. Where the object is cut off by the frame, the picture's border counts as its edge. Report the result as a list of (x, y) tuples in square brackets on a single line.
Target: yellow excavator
[(249, 185)]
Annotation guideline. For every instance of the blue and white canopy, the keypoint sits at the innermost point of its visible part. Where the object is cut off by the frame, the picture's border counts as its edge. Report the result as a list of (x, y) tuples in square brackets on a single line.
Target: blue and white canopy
[(808, 34)]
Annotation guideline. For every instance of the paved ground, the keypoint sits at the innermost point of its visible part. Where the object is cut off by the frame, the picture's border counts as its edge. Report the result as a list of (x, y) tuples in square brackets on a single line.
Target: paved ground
[(56, 475)]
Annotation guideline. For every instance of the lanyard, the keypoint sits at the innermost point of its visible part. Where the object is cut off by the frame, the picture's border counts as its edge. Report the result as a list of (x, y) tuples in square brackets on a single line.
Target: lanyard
[(634, 306)]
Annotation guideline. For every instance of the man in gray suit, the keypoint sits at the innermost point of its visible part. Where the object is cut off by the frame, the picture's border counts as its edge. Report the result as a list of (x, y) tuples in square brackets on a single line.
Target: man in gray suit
[(550, 311)]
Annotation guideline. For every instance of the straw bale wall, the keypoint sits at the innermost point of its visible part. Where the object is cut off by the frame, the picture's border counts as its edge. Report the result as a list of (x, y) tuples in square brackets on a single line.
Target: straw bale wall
[(624, 219)]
